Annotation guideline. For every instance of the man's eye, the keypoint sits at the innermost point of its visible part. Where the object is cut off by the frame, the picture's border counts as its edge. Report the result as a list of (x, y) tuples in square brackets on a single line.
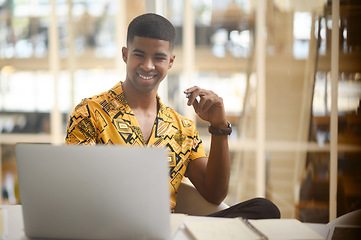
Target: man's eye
[(160, 58), (138, 55)]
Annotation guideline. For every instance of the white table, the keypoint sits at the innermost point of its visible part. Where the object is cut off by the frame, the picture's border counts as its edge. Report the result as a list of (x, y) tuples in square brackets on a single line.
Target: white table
[(15, 226)]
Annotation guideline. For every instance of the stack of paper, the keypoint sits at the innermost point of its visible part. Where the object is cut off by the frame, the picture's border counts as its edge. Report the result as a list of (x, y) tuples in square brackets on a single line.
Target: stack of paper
[(282, 229), (238, 228), (224, 228)]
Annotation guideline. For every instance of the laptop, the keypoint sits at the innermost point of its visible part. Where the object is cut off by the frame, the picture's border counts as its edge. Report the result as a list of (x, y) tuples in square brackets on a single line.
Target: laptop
[(97, 192)]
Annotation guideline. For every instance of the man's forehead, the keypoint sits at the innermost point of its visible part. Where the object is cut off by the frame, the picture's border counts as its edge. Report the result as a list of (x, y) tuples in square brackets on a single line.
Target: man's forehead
[(146, 43)]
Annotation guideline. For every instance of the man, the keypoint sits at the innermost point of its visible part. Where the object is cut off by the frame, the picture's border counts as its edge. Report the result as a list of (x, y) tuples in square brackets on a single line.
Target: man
[(131, 113)]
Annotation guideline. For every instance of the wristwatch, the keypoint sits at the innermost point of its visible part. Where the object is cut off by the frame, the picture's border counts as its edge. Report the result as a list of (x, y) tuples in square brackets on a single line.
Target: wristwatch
[(220, 131)]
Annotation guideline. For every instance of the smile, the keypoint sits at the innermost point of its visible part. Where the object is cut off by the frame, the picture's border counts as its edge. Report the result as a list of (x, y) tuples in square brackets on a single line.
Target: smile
[(145, 77)]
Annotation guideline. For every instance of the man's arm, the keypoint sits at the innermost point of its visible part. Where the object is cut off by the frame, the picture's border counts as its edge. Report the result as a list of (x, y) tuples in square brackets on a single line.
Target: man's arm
[(211, 175), (80, 129)]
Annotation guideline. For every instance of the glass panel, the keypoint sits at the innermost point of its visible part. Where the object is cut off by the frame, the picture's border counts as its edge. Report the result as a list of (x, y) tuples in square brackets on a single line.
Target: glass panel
[(32, 91), (283, 176), (349, 117), (25, 122), (349, 96), (24, 29), (223, 38), (314, 189), (242, 186), (223, 29), (33, 88), (26, 100), (349, 183), (299, 53), (93, 27)]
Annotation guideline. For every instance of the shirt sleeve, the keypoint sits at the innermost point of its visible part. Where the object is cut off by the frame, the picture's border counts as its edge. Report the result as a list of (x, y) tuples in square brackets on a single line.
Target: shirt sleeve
[(80, 129), (197, 147)]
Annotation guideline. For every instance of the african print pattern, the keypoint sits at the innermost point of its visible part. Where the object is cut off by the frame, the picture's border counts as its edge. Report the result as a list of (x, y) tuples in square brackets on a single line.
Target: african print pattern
[(107, 119)]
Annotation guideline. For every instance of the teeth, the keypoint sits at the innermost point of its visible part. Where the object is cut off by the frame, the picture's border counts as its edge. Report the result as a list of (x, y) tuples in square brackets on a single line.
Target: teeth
[(145, 77)]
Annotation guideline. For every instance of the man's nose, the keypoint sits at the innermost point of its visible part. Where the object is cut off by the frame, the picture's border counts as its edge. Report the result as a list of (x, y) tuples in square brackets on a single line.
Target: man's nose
[(148, 64)]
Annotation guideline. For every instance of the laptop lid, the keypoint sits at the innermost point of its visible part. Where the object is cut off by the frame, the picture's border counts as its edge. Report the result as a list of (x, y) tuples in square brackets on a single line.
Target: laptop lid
[(98, 192)]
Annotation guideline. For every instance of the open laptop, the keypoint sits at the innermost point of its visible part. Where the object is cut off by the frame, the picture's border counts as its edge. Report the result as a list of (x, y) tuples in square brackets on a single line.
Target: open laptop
[(98, 192)]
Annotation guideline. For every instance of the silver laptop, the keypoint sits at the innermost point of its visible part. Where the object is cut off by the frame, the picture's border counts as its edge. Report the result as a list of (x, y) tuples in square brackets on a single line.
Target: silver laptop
[(98, 192)]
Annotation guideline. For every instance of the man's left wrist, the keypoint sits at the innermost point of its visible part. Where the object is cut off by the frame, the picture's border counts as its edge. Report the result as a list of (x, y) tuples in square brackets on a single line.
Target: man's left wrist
[(220, 130)]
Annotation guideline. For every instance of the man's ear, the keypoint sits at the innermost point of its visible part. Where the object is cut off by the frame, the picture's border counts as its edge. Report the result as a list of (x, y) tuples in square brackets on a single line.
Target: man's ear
[(171, 61), (125, 54)]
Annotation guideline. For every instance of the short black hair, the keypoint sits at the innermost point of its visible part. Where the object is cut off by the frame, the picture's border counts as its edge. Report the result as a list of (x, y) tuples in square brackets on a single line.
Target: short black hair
[(151, 25)]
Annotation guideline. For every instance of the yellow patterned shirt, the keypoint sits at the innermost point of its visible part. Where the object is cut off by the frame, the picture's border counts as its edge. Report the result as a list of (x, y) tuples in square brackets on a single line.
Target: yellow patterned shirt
[(107, 119)]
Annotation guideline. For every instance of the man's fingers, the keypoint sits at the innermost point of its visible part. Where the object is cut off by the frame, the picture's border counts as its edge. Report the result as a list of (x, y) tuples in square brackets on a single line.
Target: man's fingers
[(201, 99), (192, 94)]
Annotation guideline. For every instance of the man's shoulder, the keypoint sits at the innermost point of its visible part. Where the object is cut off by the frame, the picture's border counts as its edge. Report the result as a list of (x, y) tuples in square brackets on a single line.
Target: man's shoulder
[(96, 99)]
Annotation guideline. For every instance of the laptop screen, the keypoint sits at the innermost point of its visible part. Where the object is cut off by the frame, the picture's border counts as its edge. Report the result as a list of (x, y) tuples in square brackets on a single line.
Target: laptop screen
[(98, 192)]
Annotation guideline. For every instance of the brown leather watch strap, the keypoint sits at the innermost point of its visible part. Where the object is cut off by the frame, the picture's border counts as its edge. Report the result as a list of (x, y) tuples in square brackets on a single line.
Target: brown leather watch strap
[(220, 131)]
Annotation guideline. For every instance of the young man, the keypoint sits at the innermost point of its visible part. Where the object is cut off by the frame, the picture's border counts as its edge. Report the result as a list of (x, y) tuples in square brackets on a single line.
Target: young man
[(131, 113)]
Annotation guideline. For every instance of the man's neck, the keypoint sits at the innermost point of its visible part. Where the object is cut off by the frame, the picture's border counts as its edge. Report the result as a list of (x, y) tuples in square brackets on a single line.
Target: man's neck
[(144, 106), (139, 101)]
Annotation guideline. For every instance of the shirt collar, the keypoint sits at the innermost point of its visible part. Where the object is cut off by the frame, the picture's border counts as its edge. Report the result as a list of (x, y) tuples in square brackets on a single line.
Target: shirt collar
[(163, 112), (117, 100)]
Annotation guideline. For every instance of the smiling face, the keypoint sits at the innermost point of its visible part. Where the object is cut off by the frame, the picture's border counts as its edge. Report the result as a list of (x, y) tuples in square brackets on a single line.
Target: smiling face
[(148, 61)]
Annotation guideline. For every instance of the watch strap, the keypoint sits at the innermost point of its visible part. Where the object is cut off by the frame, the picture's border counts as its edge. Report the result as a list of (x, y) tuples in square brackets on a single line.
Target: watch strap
[(220, 131)]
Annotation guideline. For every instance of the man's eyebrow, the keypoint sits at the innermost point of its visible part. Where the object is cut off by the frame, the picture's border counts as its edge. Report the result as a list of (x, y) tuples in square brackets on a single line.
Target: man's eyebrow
[(161, 54), (139, 51)]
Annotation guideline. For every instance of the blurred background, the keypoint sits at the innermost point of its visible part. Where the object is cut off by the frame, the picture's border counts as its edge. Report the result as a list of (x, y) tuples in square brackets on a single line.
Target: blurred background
[(277, 96)]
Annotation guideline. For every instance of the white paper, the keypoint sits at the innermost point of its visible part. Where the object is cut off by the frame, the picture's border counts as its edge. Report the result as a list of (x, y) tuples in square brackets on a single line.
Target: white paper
[(225, 229), (290, 229)]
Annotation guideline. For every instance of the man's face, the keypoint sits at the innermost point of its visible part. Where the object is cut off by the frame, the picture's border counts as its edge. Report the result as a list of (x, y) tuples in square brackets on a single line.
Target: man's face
[(148, 61)]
